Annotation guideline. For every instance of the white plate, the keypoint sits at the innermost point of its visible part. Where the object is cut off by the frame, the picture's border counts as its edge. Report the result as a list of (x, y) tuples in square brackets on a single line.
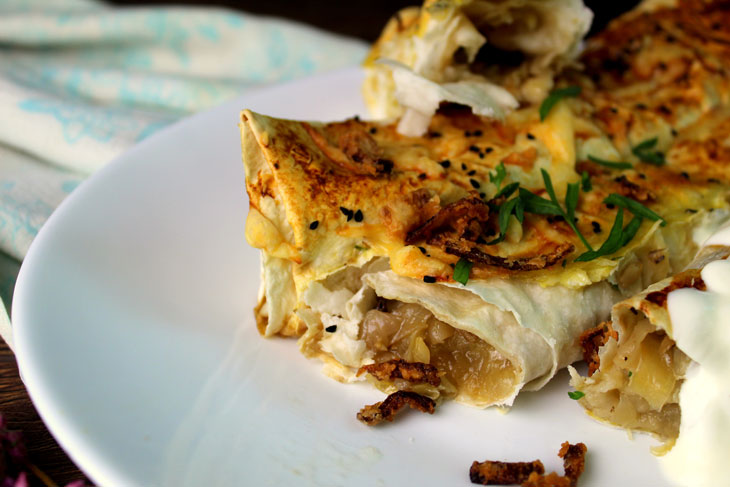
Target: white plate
[(136, 340)]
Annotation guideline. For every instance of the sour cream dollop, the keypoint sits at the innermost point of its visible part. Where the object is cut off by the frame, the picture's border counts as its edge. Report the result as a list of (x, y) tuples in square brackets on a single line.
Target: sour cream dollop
[(701, 328)]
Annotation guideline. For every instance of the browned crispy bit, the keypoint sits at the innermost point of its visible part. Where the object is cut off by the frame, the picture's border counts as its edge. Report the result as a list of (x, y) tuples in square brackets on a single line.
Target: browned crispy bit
[(530, 263), (573, 463), (593, 339), (634, 191), (574, 460), (503, 473), (689, 278), (350, 145), (550, 480), (532, 474), (416, 372), (456, 217), (386, 410)]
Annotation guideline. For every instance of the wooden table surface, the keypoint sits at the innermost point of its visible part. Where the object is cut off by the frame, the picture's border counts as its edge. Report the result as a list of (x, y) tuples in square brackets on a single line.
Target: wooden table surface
[(15, 404)]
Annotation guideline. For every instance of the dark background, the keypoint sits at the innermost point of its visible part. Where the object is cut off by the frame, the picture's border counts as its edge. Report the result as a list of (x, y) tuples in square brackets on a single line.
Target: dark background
[(358, 18)]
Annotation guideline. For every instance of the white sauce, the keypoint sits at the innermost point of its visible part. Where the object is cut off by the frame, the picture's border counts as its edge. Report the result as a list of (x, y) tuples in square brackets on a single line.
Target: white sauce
[(701, 325)]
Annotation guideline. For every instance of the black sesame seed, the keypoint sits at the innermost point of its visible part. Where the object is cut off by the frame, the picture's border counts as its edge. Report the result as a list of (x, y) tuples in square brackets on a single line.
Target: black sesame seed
[(614, 110), (642, 175), (713, 180), (482, 195), (481, 155), (429, 279), (423, 250), (474, 183), (685, 175), (559, 218), (477, 133), (530, 136), (276, 165), (422, 176), (433, 135), (691, 210), (463, 166), (467, 133), (314, 225), (488, 150), (634, 311), (358, 216), (445, 163), (386, 165), (345, 211), (596, 227), (373, 130), (472, 172), (610, 206), (640, 106), (331, 329), (674, 133), (474, 148)]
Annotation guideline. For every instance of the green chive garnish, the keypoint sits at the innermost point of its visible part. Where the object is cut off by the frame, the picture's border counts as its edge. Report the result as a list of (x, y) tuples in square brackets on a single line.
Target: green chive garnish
[(461, 271), (554, 97)]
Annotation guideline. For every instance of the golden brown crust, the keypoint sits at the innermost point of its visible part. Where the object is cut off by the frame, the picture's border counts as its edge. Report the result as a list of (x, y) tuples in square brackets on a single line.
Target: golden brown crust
[(387, 409), (592, 340), (415, 372), (503, 473)]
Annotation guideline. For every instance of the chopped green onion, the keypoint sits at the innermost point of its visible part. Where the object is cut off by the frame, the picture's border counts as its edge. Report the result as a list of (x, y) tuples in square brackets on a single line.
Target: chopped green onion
[(554, 97), (498, 177), (645, 153), (507, 190), (611, 164), (538, 205), (571, 201), (634, 207), (461, 271), (575, 395), (585, 181)]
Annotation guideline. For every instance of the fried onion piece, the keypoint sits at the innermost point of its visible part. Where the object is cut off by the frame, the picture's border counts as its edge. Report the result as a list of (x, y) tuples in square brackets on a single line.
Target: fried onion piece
[(503, 473), (349, 145), (550, 480), (574, 460), (532, 263), (416, 372), (593, 339), (386, 410), (458, 216), (532, 474), (573, 463)]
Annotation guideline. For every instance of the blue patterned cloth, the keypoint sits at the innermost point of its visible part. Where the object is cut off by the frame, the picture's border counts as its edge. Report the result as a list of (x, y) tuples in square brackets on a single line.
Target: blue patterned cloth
[(80, 82)]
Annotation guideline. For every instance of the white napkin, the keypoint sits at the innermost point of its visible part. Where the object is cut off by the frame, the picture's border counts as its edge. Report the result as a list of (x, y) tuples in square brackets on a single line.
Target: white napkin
[(81, 82)]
